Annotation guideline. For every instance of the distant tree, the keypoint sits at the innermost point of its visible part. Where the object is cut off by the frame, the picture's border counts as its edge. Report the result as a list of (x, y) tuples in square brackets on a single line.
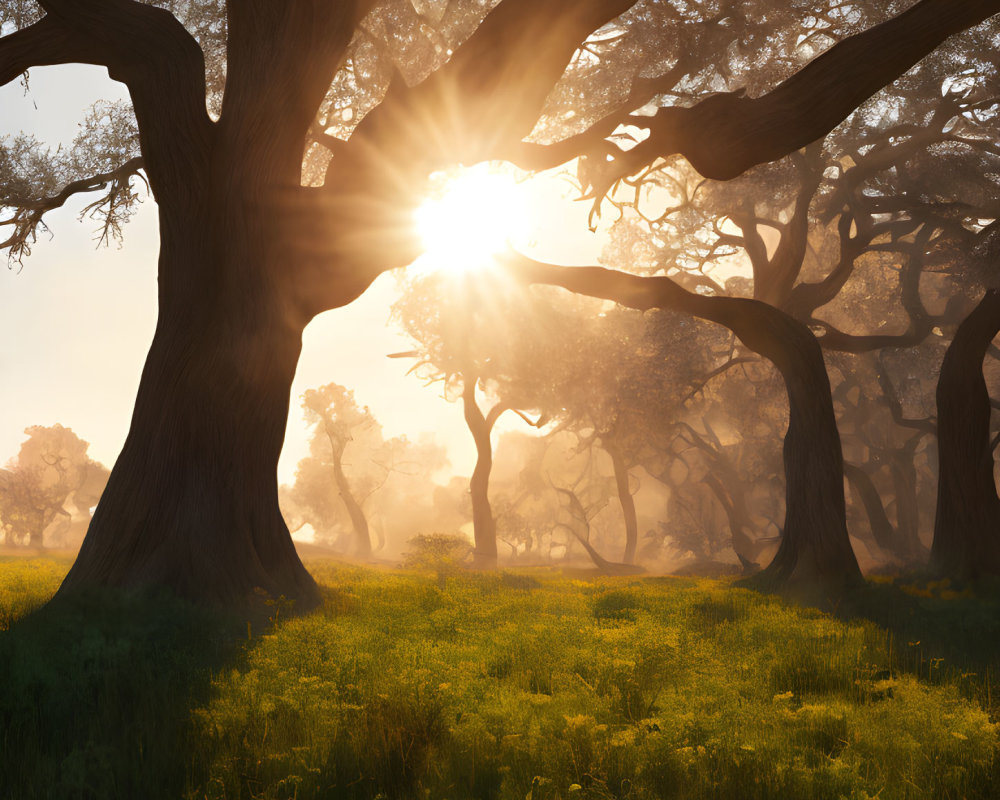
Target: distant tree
[(51, 470), (350, 462), (630, 375), (337, 419), (482, 333), (887, 453), (527, 469)]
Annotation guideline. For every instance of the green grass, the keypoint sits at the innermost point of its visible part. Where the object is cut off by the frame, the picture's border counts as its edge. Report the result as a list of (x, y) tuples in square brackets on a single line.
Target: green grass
[(500, 686)]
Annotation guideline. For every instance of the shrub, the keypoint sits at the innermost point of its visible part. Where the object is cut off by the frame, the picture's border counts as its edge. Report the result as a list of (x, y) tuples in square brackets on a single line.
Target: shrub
[(443, 554)]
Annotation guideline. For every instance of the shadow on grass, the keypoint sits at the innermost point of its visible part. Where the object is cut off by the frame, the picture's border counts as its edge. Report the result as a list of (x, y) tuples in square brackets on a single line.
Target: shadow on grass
[(939, 630), (96, 692)]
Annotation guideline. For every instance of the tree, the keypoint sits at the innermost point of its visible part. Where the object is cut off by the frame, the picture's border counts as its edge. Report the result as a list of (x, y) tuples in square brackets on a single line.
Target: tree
[(871, 197), (51, 470), (337, 420), (482, 332), (232, 110), (814, 545), (626, 378), (350, 462)]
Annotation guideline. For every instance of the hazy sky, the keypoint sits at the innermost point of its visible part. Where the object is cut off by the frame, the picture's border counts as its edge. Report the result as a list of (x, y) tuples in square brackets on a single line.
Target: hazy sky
[(76, 321)]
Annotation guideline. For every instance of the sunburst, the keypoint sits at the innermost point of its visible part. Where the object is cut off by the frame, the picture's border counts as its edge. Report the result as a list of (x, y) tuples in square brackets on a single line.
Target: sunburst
[(469, 219)]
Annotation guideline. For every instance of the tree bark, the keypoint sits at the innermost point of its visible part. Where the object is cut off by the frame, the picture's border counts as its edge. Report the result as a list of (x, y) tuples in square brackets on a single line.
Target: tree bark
[(627, 503), (815, 550), (967, 525)]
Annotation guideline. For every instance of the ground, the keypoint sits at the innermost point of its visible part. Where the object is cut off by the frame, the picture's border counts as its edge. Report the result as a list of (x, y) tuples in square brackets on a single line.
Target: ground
[(510, 685)]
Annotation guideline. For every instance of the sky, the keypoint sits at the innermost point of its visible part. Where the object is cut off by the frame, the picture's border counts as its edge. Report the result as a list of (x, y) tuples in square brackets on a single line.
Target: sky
[(76, 320)]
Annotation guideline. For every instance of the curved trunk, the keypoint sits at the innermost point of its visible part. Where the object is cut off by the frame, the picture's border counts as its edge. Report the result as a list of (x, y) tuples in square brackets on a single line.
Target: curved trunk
[(362, 538), (882, 530), (627, 504), (483, 524), (578, 515), (967, 524), (815, 548), (746, 547), (192, 501)]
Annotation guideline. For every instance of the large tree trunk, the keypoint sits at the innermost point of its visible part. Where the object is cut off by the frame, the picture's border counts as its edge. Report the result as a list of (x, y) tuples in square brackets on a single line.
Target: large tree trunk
[(627, 503), (192, 502), (815, 550), (815, 547), (967, 526), (362, 538)]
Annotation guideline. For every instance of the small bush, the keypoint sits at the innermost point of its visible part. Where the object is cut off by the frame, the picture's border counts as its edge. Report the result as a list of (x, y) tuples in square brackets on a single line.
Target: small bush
[(443, 554)]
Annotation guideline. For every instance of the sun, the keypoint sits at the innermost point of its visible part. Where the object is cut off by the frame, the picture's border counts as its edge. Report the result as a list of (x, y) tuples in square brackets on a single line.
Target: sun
[(469, 219)]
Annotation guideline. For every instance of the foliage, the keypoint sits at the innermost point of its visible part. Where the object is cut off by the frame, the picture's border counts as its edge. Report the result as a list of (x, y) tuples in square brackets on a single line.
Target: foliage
[(496, 688)]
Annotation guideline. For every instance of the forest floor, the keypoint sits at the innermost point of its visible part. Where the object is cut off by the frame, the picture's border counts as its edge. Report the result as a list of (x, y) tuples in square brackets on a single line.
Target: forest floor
[(521, 685)]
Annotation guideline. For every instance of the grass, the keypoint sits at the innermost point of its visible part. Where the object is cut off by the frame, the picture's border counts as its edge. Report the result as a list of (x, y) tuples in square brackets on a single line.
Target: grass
[(523, 685)]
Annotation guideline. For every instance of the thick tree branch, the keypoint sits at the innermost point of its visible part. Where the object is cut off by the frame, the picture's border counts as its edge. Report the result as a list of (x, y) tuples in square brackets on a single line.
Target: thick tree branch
[(750, 320), (42, 44), (726, 134), (538, 157), (785, 265), (511, 62), (148, 50)]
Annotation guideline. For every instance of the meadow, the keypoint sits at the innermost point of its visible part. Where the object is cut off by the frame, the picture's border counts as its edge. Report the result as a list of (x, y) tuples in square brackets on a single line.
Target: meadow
[(523, 685)]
